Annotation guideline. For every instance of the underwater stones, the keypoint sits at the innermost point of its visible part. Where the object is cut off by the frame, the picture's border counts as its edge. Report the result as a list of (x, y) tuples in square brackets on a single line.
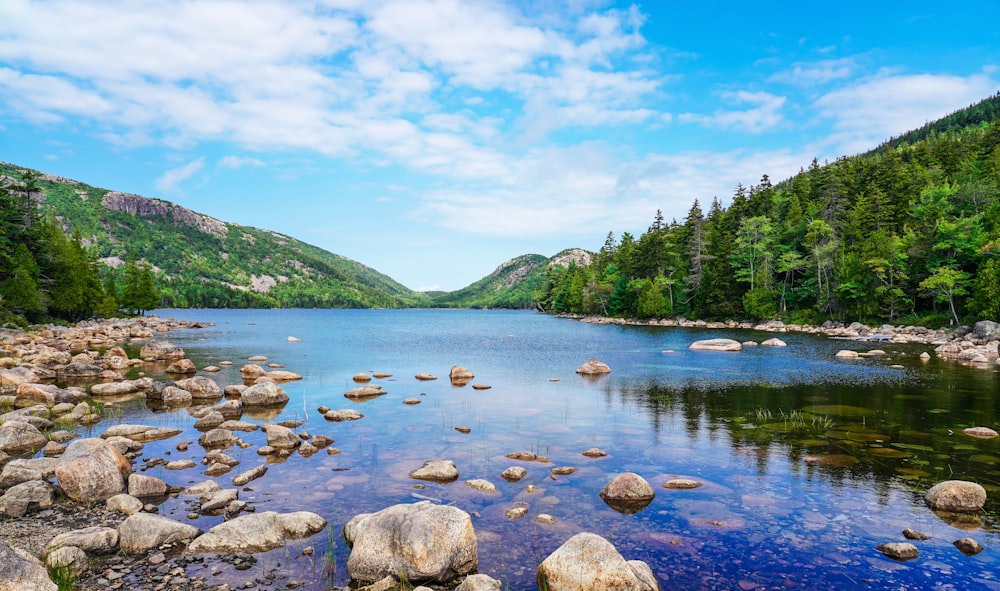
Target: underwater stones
[(593, 367), (681, 484), (956, 496), (899, 550), (627, 493), (348, 414), (481, 485), (460, 376), (726, 345), (516, 511), (513, 474), (588, 561), (981, 432), (831, 460), (912, 534), (436, 471), (418, 542)]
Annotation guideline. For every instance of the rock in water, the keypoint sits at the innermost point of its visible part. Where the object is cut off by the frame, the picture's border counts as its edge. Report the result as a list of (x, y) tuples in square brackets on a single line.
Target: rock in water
[(436, 471), (460, 376), (92, 470), (593, 367), (161, 350), (144, 531), (899, 550), (716, 345), (956, 496), (20, 571), (264, 394), (628, 493), (17, 436), (257, 532), (588, 561), (480, 583), (421, 542)]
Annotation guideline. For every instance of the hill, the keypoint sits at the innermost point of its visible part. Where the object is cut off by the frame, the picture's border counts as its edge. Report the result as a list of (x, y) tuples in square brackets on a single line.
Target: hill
[(200, 261), (512, 285)]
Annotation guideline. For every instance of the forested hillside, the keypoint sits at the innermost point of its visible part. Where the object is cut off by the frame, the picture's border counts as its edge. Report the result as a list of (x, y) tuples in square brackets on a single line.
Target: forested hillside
[(907, 233), (196, 260)]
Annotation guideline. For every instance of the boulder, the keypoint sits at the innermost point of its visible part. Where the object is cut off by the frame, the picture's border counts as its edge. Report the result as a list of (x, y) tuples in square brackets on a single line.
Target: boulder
[(480, 582), (124, 503), (436, 471), (92, 540), (20, 571), (252, 371), (460, 376), (593, 367), (27, 496), (161, 351), (19, 436), (588, 561), (513, 474), (143, 532), (364, 392), (899, 550), (264, 394), (140, 485), (716, 345), (343, 415), (986, 330), (217, 500), (182, 366), (174, 396), (92, 470), (121, 388), (14, 474), (11, 378), (46, 394), (257, 532), (956, 496), (68, 559), (80, 369), (139, 433), (280, 437), (968, 546), (217, 438), (774, 342), (628, 493), (210, 421), (418, 542), (201, 388)]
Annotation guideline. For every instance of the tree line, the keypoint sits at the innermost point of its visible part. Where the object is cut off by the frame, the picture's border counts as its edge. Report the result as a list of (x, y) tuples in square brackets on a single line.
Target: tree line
[(907, 233), (47, 274)]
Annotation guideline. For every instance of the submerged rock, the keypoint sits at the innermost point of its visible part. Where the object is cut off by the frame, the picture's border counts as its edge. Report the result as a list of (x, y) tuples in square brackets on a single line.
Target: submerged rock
[(981, 432), (588, 561), (593, 367)]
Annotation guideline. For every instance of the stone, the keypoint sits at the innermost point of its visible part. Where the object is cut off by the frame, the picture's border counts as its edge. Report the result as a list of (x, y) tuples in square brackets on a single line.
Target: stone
[(774, 342), (29, 496), (545, 519), (628, 493), (92, 470), (411, 401), (460, 376), (562, 470), (257, 532), (92, 540), (251, 474), (217, 438), (143, 532), (280, 437), (343, 415), (264, 394), (46, 394), (19, 436), (53, 449), (588, 561), (418, 542), (14, 474), (15, 376), (362, 378), (436, 471), (283, 376), (140, 432), (681, 484), (517, 511), (20, 571), (481, 485), (140, 485), (210, 421), (201, 488), (846, 354), (239, 426), (161, 351), (124, 503), (981, 432), (182, 366), (986, 330), (481, 387), (595, 453), (911, 534), (716, 345), (364, 392), (593, 367), (215, 501), (201, 388), (513, 474), (968, 546), (425, 377), (956, 496), (251, 372), (174, 396), (68, 559), (480, 582), (899, 550)]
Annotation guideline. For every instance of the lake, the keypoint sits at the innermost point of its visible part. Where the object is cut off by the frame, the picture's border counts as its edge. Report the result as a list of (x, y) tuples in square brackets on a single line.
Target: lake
[(808, 461)]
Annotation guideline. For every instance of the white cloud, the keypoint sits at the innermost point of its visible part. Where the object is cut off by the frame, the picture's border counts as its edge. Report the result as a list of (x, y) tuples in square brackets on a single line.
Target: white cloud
[(239, 162), (765, 115), (869, 112), (814, 73), (170, 180)]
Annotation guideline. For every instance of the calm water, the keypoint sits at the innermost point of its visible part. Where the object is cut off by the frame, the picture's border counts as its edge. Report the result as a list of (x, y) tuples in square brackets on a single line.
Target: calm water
[(809, 462)]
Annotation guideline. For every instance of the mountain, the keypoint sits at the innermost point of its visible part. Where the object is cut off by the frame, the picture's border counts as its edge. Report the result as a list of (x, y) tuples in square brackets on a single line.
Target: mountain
[(512, 284), (204, 262)]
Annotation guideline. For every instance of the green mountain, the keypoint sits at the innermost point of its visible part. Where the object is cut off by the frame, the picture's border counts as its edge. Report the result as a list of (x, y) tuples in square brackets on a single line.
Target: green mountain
[(200, 261), (512, 285)]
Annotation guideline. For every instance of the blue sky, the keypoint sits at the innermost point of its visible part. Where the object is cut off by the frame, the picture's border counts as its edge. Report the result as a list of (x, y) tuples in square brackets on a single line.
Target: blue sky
[(434, 139)]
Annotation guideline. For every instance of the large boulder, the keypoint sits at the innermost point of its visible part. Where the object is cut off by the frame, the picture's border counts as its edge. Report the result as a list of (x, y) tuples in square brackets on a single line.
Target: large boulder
[(628, 493), (121, 388), (257, 532), (716, 345), (201, 388), (19, 436), (11, 378), (280, 437), (460, 376), (986, 330), (593, 367), (436, 471), (20, 571), (31, 394), (140, 432), (956, 496), (264, 394), (92, 540), (421, 542), (92, 470), (588, 562), (27, 496), (161, 351), (142, 532)]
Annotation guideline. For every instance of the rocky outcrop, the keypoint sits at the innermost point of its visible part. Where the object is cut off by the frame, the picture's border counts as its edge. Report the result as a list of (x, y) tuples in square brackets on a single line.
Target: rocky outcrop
[(589, 562), (257, 532), (418, 542), (146, 207), (92, 470), (956, 496)]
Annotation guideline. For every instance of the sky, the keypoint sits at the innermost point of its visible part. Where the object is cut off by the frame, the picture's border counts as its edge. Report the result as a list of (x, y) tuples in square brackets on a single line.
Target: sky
[(435, 139)]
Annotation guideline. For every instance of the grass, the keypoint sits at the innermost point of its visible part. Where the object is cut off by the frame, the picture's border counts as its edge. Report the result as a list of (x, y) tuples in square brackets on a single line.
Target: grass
[(64, 577)]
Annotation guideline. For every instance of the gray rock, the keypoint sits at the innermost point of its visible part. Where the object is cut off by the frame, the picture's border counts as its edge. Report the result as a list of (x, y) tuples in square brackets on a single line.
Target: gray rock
[(421, 542), (140, 432), (92, 470), (20, 571), (716, 345), (588, 561), (436, 471), (264, 394), (251, 474), (161, 350), (124, 503), (201, 388), (593, 367), (143, 532), (217, 500), (174, 396), (46, 394), (69, 559), (343, 415), (628, 493), (92, 540), (280, 437), (513, 474), (257, 532), (14, 474), (956, 496), (479, 583), (140, 485), (986, 330), (899, 550), (210, 421), (460, 376), (19, 436), (27, 496), (122, 388), (217, 438)]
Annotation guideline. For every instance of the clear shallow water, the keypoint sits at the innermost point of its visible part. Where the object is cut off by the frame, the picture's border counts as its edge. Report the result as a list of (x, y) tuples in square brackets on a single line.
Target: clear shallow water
[(809, 462)]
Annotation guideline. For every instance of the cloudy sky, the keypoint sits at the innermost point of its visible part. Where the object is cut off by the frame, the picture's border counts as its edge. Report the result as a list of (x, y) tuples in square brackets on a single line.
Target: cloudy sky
[(434, 139)]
